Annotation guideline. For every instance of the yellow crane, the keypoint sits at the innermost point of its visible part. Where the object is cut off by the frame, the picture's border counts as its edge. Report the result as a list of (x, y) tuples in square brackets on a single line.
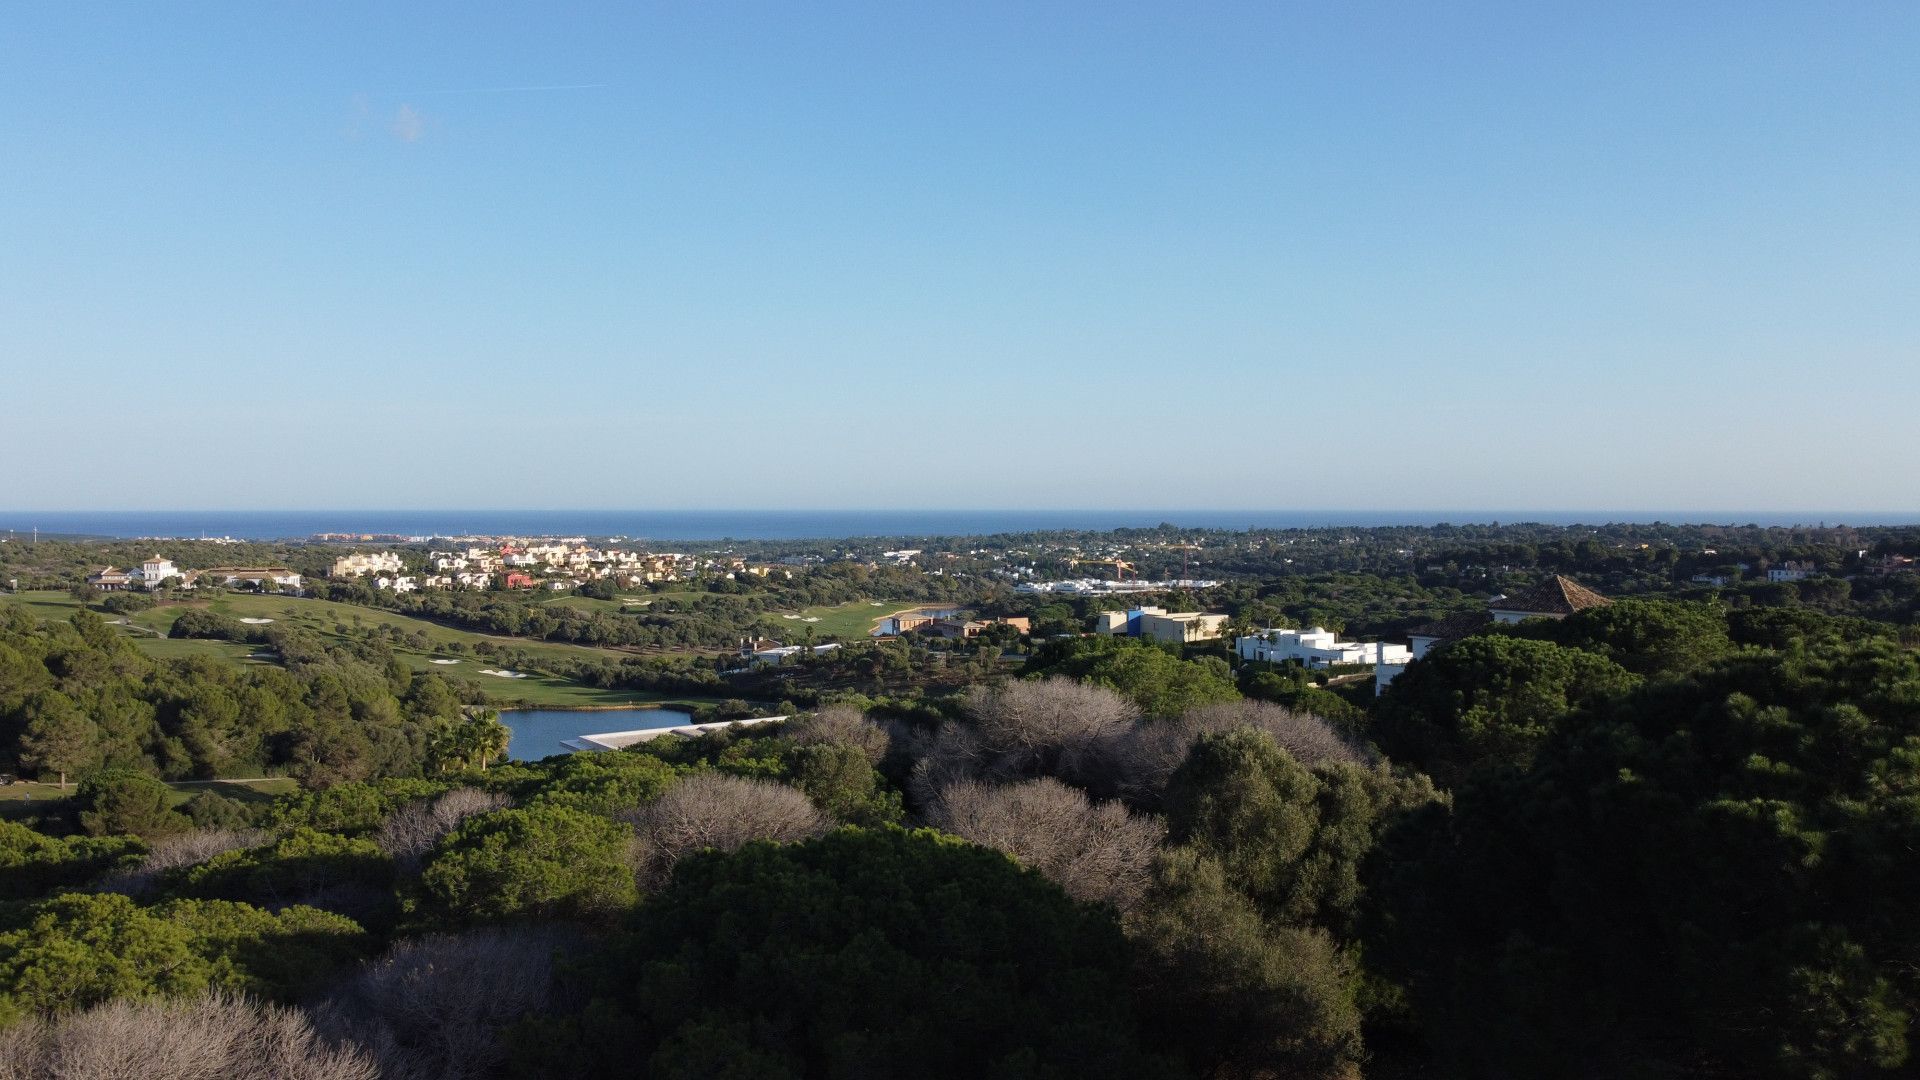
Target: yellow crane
[(1120, 566)]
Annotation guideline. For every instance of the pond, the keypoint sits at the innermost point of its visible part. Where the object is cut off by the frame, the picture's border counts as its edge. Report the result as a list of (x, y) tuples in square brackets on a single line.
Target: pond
[(539, 733)]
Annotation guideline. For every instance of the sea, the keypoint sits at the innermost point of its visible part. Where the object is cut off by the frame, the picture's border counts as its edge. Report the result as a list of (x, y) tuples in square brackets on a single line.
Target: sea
[(720, 525)]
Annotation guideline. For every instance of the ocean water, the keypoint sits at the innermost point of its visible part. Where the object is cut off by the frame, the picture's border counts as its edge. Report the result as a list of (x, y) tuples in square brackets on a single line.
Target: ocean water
[(688, 525), (538, 733)]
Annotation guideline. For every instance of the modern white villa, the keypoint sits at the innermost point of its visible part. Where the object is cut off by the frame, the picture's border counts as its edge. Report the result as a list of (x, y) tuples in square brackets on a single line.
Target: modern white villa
[(1316, 648)]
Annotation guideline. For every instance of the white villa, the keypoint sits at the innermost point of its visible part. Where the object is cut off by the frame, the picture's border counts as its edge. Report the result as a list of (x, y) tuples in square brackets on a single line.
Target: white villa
[(1316, 648), (149, 576), (156, 570)]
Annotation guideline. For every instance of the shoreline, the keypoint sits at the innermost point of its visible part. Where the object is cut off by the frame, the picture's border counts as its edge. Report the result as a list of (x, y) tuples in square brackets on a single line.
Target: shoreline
[(589, 708)]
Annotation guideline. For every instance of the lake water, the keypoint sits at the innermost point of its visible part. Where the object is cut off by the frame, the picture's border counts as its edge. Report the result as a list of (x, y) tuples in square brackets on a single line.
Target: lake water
[(539, 733)]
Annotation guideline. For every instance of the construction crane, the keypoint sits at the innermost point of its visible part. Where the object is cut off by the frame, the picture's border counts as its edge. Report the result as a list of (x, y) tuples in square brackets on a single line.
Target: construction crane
[(1120, 566), (1185, 551)]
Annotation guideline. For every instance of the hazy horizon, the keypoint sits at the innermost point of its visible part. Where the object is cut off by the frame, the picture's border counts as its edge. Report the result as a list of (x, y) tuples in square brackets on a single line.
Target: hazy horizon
[(801, 524)]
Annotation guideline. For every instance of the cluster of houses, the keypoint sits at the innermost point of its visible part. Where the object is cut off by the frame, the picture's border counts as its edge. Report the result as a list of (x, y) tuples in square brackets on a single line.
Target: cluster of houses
[(157, 571), (1102, 587), (558, 566)]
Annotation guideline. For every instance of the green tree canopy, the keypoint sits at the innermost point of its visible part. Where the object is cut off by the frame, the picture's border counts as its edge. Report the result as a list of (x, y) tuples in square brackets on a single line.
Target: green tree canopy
[(120, 801), (1722, 863), (80, 949), (542, 861), (1289, 837), (1239, 996), (1646, 637), (866, 953), (1488, 699)]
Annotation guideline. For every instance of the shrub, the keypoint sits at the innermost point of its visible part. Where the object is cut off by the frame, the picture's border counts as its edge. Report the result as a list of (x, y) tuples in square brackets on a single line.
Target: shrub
[(32, 865), (214, 1035), (719, 812), (864, 953), (537, 862), (436, 1006), (1096, 852), (841, 725), (118, 801), (412, 831)]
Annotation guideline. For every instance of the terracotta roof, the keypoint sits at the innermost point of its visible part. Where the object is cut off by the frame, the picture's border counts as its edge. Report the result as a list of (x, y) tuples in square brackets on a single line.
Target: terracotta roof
[(1454, 627), (1555, 596)]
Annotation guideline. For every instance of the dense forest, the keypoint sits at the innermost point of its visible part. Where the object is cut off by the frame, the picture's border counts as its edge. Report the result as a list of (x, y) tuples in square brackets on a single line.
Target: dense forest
[(1657, 838)]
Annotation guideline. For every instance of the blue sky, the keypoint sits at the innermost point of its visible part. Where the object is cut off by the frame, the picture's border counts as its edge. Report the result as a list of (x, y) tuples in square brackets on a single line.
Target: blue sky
[(1332, 255)]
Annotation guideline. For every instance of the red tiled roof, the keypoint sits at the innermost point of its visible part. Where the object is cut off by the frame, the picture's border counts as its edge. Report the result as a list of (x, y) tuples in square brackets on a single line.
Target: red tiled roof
[(1555, 596)]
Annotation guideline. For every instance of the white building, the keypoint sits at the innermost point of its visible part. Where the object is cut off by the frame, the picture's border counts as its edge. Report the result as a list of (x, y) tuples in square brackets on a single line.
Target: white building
[(1791, 571), (256, 576), (1316, 648), (775, 655), (403, 583), (154, 571), (359, 565)]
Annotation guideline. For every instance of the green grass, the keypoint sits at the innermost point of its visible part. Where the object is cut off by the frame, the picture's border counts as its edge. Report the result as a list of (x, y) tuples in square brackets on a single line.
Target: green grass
[(848, 622), (249, 790), (588, 605), (148, 631)]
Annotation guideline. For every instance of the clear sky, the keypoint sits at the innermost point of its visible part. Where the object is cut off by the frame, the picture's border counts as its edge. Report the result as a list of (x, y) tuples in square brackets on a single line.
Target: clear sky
[(1331, 255)]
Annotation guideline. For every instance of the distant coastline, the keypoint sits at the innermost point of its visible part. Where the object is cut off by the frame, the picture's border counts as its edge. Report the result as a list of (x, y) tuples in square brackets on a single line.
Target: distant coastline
[(763, 525)]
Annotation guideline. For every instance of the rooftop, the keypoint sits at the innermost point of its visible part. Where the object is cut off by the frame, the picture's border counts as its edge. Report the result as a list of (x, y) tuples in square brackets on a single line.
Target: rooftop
[(1555, 596)]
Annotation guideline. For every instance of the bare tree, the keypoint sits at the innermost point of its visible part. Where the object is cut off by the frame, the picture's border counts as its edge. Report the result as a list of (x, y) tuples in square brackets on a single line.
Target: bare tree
[(1034, 725), (215, 1037), (1052, 727), (176, 852), (843, 725), (1139, 765), (411, 831), (714, 810), (432, 1007), (1095, 851)]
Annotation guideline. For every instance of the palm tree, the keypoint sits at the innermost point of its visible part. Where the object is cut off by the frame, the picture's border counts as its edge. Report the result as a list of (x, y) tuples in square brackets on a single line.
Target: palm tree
[(488, 737)]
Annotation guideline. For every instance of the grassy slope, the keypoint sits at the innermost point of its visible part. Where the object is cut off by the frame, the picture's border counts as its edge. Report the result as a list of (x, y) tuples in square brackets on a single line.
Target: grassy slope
[(323, 616), (848, 622)]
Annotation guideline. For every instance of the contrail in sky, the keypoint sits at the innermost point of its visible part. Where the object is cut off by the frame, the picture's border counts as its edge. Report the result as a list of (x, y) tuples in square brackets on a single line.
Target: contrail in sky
[(516, 89)]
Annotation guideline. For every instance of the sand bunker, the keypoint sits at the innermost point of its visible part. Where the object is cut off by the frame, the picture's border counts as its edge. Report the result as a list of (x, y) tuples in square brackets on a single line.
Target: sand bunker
[(443, 661), (503, 673), (256, 622)]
